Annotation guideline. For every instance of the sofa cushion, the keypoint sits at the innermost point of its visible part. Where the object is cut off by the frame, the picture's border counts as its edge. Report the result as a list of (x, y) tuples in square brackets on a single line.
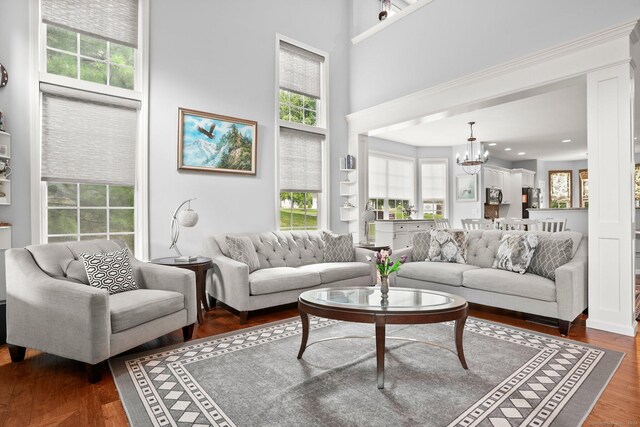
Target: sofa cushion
[(550, 254), (438, 272), (242, 250), (515, 253), (420, 246), (133, 308), (448, 246), (332, 272), (281, 279), (506, 282), (338, 248)]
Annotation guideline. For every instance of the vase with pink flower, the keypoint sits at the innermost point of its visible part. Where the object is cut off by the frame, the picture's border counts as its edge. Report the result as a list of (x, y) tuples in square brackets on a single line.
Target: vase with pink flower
[(386, 267)]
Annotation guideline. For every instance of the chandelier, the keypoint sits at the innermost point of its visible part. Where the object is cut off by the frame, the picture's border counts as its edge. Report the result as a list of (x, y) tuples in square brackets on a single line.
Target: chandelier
[(473, 158)]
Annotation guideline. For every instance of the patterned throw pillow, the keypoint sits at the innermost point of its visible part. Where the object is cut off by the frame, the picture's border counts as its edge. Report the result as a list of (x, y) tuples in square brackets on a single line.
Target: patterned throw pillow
[(420, 246), (448, 246), (338, 248), (550, 254), (515, 252), (242, 250), (111, 271)]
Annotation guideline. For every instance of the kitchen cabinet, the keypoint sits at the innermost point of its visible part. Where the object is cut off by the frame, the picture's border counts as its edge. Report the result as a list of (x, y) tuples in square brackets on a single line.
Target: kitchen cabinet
[(528, 178), (398, 234), (507, 188)]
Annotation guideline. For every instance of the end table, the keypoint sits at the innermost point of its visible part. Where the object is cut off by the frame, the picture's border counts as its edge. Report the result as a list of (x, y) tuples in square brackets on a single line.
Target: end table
[(200, 266)]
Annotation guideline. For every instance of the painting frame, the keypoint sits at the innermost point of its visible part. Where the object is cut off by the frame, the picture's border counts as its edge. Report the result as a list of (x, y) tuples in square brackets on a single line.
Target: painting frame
[(182, 139), (466, 182)]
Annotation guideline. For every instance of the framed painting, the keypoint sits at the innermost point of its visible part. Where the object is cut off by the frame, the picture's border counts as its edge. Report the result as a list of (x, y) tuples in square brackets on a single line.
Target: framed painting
[(466, 188), (213, 143)]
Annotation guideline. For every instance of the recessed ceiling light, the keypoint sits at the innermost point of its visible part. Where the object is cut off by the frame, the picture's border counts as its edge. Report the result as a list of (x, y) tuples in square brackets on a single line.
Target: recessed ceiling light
[(522, 153), (493, 144), (507, 149), (566, 140)]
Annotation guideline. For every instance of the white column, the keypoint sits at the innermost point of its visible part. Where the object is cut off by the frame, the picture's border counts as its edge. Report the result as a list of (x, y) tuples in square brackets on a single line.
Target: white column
[(611, 210)]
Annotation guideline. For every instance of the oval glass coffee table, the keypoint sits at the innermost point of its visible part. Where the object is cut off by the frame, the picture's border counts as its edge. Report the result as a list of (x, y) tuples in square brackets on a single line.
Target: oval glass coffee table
[(364, 305)]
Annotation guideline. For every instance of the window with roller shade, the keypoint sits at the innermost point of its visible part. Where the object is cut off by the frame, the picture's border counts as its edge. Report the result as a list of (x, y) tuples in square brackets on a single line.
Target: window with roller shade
[(434, 188), (301, 142), (391, 185), (89, 137)]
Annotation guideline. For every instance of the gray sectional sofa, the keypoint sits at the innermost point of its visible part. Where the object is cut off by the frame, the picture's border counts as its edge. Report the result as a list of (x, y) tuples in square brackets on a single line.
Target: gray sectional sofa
[(476, 281), (291, 262)]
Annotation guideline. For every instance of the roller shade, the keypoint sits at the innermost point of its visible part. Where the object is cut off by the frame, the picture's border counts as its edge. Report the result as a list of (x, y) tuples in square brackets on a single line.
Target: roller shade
[(113, 20), (434, 180), (87, 138), (377, 178), (300, 161), (391, 178), (300, 70)]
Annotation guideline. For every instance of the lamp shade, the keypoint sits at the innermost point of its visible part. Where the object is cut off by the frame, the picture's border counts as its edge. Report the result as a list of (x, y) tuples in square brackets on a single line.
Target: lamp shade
[(188, 218)]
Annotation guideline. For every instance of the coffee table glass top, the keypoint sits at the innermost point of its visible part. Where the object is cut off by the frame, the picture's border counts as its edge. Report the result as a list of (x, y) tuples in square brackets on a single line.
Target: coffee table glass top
[(369, 298)]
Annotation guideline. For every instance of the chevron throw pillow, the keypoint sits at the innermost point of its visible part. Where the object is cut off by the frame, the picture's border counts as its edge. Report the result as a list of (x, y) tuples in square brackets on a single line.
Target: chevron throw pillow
[(550, 254), (111, 271), (338, 248)]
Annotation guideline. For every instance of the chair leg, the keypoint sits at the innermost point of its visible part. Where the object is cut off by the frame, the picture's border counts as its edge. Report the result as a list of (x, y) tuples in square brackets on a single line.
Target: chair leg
[(244, 315), (16, 352), (187, 331), (94, 372), (563, 326)]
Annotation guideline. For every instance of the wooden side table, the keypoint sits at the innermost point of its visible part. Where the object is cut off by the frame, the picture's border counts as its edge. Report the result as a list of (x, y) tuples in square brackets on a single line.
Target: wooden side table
[(200, 266)]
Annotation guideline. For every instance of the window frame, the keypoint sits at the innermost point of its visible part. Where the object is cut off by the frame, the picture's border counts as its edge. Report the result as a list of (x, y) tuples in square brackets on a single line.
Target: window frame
[(583, 176), (38, 74), (447, 198), (567, 171), (321, 128), (387, 205)]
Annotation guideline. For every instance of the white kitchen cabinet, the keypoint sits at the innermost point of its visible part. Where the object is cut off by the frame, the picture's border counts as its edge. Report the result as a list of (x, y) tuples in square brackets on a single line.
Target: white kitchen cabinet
[(528, 179), (398, 234), (507, 188)]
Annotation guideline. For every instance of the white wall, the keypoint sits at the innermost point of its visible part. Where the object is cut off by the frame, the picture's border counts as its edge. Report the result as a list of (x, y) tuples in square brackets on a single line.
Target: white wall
[(448, 39), (542, 174), (219, 57), (14, 101)]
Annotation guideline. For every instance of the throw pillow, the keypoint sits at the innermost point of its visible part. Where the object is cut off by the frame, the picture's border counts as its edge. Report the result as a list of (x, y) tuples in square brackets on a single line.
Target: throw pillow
[(550, 254), (242, 250), (448, 246), (515, 252), (111, 271), (420, 246), (338, 248)]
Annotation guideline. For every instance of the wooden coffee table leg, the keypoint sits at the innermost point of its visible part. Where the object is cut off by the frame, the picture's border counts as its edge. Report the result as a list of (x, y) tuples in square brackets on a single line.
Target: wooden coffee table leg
[(459, 330), (305, 333), (380, 347)]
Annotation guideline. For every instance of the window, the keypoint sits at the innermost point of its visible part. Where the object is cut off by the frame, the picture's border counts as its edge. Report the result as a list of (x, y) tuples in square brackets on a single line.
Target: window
[(584, 188), (434, 188), (83, 57), (89, 211), (560, 195), (302, 138), (391, 185), (89, 120)]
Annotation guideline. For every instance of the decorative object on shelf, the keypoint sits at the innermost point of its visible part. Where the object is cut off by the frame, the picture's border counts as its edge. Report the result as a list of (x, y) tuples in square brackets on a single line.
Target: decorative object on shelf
[(348, 204), (1, 121), (385, 266), (213, 143), (185, 218), (385, 9), (466, 188), (4, 76), (5, 169), (350, 162), (367, 217), (473, 158)]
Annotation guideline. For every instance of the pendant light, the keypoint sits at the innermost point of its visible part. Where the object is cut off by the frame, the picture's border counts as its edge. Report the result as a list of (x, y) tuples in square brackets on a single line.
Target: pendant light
[(473, 158)]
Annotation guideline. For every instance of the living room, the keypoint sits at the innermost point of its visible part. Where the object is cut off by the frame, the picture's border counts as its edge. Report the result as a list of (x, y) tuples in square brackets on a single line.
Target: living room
[(262, 77)]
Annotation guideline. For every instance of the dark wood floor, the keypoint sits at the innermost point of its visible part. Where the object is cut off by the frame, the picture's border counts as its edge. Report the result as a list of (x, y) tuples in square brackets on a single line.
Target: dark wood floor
[(46, 390)]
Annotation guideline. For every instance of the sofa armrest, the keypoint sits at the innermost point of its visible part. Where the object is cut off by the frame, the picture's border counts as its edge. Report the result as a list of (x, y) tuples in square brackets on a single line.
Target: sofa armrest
[(168, 278), (572, 285), (365, 255), (60, 317), (230, 282)]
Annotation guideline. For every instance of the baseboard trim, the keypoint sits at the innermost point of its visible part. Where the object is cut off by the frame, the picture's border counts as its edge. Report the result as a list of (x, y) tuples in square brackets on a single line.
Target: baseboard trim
[(630, 331), (3, 322)]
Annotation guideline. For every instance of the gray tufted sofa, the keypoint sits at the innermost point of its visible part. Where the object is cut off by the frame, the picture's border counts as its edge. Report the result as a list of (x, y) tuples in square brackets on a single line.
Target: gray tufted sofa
[(291, 262), (476, 281)]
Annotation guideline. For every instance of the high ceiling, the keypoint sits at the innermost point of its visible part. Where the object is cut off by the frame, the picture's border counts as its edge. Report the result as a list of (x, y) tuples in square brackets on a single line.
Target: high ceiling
[(536, 125)]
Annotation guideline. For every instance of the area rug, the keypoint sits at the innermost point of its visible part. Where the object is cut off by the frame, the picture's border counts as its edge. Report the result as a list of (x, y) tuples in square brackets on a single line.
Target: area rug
[(252, 378)]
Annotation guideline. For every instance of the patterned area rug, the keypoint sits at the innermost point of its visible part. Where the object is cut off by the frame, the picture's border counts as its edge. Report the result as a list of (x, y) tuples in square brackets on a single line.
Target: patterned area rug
[(252, 378)]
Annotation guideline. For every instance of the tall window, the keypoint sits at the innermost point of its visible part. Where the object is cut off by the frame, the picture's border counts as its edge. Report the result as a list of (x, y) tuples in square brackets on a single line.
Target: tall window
[(301, 143), (434, 188), (90, 94), (584, 187), (391, 185), (560, 186)]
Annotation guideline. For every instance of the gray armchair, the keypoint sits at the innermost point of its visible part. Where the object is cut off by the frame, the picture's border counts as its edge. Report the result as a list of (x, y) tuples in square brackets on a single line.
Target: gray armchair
[(51, 307)]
